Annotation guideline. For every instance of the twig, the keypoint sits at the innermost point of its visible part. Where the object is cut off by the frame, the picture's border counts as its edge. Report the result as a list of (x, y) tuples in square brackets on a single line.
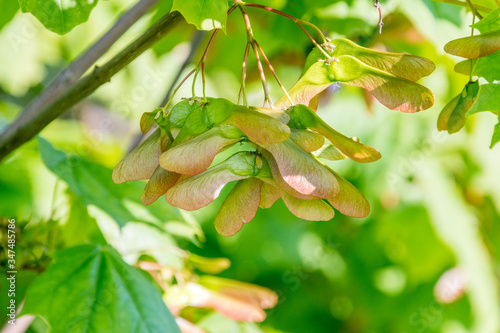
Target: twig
[(262, 76), (25, 128), (288, 16), (203, 80), (380, 23), (314, 41), (244, 76), (271, 68), (204, 56), (202, 61), (251, 40), (322, 35), (474, 10), (298, 22), (195, 70), (78, 67), (198, 66), (195, 44)]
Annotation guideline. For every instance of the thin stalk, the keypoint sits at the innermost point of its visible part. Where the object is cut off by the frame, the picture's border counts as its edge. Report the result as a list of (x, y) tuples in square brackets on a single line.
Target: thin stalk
[(271, 68), (178, 87), (251, 40), (203, 79), (298, 22), (201, 63), (196, 70), (290, 17), (195, 44), (209, 44), (243, 92), (262, 75), (321, 34), (474, 10), (314, 41), (204, 56)]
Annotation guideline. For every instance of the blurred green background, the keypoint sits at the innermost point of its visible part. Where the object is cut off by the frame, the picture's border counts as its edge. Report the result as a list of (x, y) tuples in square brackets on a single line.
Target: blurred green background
[(435, 197)]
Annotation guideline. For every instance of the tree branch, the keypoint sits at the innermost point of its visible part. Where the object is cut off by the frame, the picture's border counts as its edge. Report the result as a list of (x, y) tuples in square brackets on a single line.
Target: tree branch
[(25, 128), (77, 68)]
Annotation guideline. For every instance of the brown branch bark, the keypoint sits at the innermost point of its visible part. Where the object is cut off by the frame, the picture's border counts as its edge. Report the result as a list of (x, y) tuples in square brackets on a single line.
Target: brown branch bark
[(26, 127), (78, 67)]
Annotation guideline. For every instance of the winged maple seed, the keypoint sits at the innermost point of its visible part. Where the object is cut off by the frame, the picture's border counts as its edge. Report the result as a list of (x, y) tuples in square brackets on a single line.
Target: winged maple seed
[(453, 116), (279, 149), (234, 299), (479, 50), (389, 77), (474, 47)]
